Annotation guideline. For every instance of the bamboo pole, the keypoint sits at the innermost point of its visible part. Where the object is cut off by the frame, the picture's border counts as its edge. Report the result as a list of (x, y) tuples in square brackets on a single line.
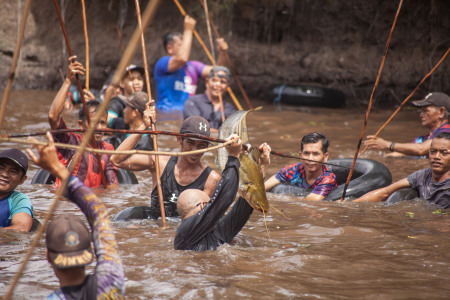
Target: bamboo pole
[(202, 44), (80, 89), (371, 100), (155, 143), (12, 70), (86, 41), (148, 16), (233, 70), (409, 97)]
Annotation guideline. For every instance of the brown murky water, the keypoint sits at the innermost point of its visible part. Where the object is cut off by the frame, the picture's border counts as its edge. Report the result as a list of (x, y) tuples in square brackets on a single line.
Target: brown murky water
[(325, 250)]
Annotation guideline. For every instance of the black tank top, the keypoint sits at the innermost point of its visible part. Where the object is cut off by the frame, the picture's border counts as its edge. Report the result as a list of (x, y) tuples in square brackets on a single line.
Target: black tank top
[(171, 189)]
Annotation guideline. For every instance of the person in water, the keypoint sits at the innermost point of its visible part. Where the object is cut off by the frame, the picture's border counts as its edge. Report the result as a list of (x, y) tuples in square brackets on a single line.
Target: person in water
[(434, 112), (16, 211), (207, 104), (175, 75), (68, 240), (132, 118), (203, 224), (311, 173), (178, 173), (432, 184), (88, 169)]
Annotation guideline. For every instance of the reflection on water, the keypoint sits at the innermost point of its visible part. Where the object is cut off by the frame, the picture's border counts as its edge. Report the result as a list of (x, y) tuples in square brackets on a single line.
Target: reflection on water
[(319, 250)]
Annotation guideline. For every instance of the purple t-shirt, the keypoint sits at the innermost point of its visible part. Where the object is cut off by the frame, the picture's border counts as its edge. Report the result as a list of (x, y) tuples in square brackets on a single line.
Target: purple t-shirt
[(295, 175), (434, 192), (420, 139), (174, 88)]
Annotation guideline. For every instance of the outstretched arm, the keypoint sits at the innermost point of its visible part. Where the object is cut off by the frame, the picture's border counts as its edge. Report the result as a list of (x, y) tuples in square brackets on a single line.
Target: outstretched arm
[(181, 56), (270, 183), (374, 142), (54, 115), (383, 193)]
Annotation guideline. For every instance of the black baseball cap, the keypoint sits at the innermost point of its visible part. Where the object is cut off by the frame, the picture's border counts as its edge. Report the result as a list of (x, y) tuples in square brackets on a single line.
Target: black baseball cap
[(216, 69), (68, 242), (17, 156), (436, 98), (134, 68), (196, 125), (138, 101)]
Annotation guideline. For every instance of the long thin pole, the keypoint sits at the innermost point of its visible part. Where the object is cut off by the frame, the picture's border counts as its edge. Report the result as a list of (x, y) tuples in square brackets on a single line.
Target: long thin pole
[(86, 41), (148, 16), (155, 143), (233, 70), (370, 102), (409, 97), (12, 70), (202, 44), (80, 89)]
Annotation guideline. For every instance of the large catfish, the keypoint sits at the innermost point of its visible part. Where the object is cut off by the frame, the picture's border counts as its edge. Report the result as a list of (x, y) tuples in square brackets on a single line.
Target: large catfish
[(251, 182)]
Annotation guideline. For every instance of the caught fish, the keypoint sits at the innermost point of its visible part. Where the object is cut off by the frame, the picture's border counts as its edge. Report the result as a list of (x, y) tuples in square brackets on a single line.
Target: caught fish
[(251, 182)]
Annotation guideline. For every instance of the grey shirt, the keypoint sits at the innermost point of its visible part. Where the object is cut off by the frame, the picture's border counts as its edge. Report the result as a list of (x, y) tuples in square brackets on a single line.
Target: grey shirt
[(435, 192), (200, 105)]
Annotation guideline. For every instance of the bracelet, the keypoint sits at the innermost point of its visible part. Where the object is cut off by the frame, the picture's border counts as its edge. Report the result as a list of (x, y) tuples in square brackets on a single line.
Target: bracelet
[(392, 147)]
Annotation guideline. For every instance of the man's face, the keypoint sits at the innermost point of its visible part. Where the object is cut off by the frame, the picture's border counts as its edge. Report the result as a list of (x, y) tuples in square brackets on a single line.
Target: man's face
[(11, 175), (133, 84), (429, 115), (128, 115), (217, 85), (191, 145), (314, 152), (440, 156), (102, 123), (174, 46)]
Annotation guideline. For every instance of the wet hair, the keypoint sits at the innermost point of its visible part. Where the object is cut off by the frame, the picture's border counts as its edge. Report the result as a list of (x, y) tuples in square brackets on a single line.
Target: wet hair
[(442, 135), (314, 137), (92, 103), (169, 37)]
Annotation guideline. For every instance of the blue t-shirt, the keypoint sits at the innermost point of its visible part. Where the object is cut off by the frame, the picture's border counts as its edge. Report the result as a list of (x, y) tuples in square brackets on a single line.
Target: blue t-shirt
[(16, 202), (174, 88)]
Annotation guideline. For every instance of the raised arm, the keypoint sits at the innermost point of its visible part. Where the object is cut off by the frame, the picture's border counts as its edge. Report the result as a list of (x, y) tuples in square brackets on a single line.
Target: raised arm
[(383, 193), (54, 115), (181, 55), (222, 46), (264, 159)]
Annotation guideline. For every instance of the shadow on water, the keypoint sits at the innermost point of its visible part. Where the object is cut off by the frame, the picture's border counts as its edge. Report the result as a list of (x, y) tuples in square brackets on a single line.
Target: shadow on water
[(325, 250)]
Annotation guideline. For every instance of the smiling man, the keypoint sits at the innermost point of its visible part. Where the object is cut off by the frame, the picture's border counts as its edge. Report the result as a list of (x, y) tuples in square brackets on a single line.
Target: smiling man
[(207, 104), (16, 211), (434, 112), (312, 173), (432, 184), (179, 173)]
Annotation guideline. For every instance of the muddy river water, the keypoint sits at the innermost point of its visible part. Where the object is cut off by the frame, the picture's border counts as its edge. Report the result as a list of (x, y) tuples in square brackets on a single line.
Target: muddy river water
[(324, 250)]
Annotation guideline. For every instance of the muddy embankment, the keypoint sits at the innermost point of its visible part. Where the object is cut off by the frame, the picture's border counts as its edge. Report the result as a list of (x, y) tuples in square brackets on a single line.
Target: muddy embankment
[(334, 43)]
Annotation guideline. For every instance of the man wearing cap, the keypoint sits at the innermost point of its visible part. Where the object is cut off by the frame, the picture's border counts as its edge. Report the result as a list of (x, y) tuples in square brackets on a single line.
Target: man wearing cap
[(132, 119), (179, 173), (16, 211), (432, 184), (88, 169), (132, 82), (68, 240), (434, 112), (207, 104), (175, 75)]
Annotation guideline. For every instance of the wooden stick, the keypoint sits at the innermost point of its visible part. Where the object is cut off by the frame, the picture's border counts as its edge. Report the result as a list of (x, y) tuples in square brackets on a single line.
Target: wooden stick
[(121, 46), (233, 70), (199, 39), (370, 102), (12, 70), (86, 41), (80, 89), (409, 97), (155, 143), (148, 15)]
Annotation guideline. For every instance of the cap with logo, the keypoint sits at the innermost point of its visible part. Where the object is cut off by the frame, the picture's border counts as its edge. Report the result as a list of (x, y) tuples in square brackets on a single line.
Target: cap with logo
[(436, 98), (17, 156), (68, 242), (138, 101), (196, 125)]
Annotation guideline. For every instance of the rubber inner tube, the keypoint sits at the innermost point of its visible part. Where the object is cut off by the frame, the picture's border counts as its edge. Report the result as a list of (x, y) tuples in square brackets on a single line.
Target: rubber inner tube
[(401, 195), (368, 175), (123, 177), (134, 213)]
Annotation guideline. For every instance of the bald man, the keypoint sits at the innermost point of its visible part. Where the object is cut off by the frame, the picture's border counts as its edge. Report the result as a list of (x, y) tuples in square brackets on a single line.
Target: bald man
[(203, 224)]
